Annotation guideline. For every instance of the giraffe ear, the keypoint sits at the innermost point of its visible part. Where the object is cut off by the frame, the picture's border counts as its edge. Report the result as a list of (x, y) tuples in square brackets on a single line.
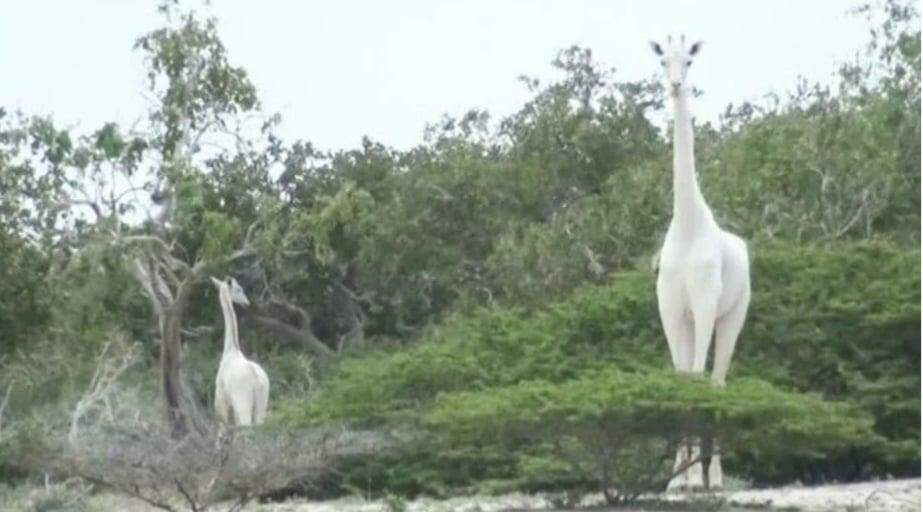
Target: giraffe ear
[(696, 46), (216, 282), (656, 47)]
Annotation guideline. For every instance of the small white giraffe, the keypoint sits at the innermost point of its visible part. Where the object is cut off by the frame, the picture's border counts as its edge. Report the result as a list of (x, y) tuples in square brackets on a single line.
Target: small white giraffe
[(703, 284), (241, 387)]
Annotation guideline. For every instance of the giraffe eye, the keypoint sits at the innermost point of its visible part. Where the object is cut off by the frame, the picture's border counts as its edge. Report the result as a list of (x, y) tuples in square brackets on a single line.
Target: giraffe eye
[(689, 64), (663, 62)]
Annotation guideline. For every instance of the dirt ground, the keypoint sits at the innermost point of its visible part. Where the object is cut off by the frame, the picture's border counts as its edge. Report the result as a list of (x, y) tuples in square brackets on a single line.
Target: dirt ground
[(880, 496), (892, 495)]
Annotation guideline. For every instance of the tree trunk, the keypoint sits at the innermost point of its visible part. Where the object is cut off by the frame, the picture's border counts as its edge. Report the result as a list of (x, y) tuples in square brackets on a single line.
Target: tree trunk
[(170, 367)]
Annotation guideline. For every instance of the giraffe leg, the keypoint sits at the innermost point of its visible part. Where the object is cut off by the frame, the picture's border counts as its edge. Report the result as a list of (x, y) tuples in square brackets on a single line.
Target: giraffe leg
[(679, 334), (727, 331), (715, 474), (261, 403), (678, 482), (244, 415), (676, 326), (242, 405), (705, 289), (695, 476)]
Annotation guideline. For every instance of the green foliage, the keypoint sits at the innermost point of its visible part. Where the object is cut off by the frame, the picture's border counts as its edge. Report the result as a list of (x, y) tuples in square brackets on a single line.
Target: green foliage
[(810, 330), (597, 233), (189, 71), (820, 168), (844, 322), (96, 296), (575, 186), (67, 496), (599, 326), (25, 302), (619, 429)]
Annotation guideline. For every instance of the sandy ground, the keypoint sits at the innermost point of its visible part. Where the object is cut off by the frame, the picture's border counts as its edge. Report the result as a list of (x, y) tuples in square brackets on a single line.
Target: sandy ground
[(896, 495), (890, 496), (893, 495)]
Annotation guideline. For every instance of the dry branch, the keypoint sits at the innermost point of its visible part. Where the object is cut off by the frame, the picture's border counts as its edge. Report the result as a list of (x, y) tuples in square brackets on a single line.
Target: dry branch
[(300, 335), (6, 400), (202, 470), (103, 383)]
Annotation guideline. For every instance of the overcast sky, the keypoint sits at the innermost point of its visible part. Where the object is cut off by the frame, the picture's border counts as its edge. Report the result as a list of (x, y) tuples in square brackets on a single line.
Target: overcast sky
[(338, 70)]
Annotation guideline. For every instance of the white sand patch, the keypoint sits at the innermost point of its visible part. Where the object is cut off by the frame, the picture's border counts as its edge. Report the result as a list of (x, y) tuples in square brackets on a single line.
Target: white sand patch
[(881, 496), (891, 495), (465, 504)]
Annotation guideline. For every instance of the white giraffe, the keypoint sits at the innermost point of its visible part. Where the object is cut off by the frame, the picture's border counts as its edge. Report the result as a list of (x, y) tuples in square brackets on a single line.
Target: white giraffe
[(241, 387), (703, 284)]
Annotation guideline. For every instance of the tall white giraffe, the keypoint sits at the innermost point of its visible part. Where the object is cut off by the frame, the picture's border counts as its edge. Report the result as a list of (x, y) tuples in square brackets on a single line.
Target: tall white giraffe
[(241, 387), (703, 284)]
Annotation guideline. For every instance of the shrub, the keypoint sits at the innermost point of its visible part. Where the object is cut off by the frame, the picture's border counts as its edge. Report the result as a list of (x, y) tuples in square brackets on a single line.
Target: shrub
[(597, 327), (69, 495), (201, 469), (619, 429), (843, 321), (810, 329)]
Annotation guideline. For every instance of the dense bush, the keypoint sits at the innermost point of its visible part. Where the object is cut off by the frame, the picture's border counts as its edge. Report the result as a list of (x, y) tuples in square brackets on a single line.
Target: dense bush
[(843, 321), (620, 429), (597, 327), (25, 307), (811, 329)]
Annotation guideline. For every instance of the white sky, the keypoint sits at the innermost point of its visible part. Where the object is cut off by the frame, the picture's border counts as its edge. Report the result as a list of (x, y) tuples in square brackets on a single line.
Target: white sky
[(339, 70)]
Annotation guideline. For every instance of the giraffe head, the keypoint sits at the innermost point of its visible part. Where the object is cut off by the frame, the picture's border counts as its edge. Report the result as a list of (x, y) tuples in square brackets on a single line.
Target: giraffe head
[(234, 289), (675, 59)]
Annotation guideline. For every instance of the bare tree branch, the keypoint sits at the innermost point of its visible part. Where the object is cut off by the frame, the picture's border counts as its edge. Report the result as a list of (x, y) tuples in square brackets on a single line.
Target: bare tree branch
[(858, 215), (101, 385), (303, 335), (355, 316), (6, 399), (304, 319), (145, 462)]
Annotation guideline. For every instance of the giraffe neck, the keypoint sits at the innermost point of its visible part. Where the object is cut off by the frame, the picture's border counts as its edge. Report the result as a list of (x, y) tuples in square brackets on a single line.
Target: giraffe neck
[(231, 344), (689, 207)]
